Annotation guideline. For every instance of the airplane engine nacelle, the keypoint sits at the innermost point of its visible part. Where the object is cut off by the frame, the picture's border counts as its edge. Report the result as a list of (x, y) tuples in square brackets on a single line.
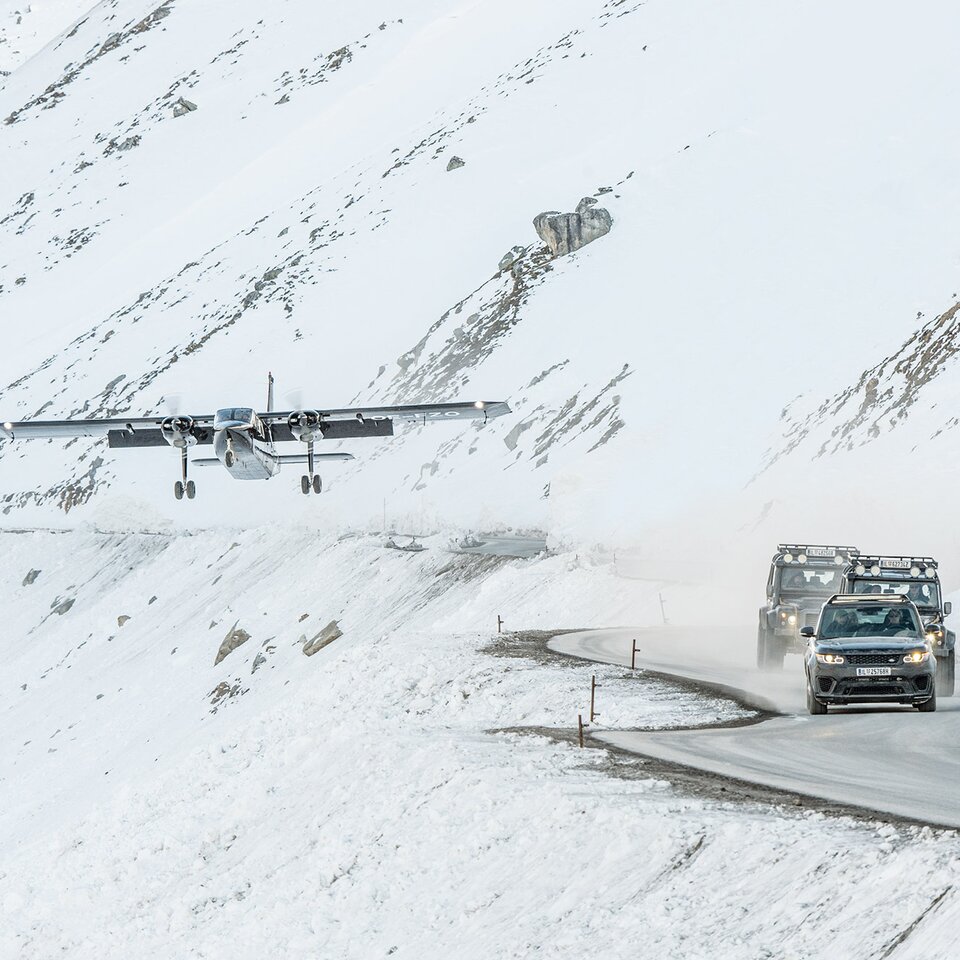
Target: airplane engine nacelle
[(305, 425), (178, 431)]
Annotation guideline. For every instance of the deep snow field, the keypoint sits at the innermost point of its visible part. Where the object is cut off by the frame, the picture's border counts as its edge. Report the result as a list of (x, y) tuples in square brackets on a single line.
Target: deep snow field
[(359, 802)]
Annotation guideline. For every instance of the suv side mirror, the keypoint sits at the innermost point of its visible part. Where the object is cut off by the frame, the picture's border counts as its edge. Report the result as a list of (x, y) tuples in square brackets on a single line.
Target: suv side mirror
[(807, 632), (947, 608)]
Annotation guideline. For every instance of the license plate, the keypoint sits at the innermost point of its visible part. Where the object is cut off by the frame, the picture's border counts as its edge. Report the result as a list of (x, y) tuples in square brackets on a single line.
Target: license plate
[(873, 671), (895, 563)]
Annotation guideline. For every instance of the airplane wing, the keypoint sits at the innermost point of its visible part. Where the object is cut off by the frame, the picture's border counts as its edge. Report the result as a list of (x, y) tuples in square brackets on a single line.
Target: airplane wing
[(342, 423), (351, 422), (128, 432)]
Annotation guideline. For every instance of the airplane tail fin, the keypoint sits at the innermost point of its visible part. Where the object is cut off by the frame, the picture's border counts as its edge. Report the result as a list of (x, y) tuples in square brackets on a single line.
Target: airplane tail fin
[(269, 392)]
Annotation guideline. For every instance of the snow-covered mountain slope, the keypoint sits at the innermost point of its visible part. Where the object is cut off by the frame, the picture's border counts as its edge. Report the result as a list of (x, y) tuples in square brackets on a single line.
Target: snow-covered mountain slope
[(354, 803), (760, 164), (194, 193), (26, 26)]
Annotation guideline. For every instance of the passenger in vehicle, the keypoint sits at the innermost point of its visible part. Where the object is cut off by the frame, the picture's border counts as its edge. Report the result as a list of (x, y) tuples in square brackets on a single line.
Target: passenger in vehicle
[(843, 623)]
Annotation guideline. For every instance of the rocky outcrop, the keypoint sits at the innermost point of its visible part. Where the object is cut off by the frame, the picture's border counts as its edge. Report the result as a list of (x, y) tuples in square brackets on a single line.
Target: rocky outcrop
[(234, 638), (183, 107), (565, 232), (455, 164), (326, 636)]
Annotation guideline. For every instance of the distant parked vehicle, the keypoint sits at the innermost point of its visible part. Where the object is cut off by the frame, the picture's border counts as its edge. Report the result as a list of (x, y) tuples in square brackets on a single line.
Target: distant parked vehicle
[(917, 579), (802, 577), (868, 648)]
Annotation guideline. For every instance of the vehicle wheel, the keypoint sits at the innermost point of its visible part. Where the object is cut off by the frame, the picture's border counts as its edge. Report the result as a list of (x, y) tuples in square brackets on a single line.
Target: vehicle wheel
[(929, 706), (317, 484), (229, 459), (814, 706), (178, 490), (761, 648), (305, 484), (946, 674), (773, 655), (191, 489)]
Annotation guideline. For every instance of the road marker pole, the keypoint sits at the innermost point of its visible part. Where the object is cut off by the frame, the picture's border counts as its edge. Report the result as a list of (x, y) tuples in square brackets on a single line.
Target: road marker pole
[(580, 727), (499, 623), (593, 698)]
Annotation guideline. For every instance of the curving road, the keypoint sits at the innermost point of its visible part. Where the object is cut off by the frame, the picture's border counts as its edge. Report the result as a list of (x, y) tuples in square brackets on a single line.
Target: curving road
[(893, 760)]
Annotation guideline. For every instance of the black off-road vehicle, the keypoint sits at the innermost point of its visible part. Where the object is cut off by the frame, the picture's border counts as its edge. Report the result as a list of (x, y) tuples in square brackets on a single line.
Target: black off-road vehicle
[(917, 579), (802, 577)]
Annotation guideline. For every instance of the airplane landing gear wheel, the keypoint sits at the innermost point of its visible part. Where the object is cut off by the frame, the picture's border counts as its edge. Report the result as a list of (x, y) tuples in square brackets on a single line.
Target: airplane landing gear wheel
[(191, 489), (305, 484), (229, 459), (178, 489), (317, 484)]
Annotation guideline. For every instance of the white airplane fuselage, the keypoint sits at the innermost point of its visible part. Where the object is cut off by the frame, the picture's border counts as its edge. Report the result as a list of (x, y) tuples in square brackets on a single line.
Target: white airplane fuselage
[(243, 445), (245, 457)]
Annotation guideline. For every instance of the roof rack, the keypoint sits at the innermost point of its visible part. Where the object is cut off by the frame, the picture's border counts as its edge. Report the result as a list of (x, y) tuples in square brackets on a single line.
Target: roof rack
[(869, 598), (807, 547), (806, 552), (890, 562)]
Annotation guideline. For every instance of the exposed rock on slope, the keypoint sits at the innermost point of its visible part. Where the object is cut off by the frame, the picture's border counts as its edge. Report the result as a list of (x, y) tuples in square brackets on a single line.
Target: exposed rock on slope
[(565, 232), (884, 395)]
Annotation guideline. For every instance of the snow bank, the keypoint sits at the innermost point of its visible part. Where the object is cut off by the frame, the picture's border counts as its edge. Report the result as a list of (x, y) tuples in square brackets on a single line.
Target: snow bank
[(356, 803)]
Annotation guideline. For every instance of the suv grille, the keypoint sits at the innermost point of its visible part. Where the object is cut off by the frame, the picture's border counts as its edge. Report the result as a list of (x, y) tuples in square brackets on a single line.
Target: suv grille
[(883, 658), (876, 689)]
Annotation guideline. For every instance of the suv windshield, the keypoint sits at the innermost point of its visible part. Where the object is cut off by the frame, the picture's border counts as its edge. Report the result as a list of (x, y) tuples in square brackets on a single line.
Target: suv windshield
[(922, 594), (869, 620), (809, 581)]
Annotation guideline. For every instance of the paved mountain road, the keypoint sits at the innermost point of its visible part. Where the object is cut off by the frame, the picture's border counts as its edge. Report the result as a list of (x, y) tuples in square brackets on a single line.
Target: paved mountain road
[(894, 760)]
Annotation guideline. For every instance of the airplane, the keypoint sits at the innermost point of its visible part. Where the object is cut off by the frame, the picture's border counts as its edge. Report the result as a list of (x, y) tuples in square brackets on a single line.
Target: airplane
[(244, 441)]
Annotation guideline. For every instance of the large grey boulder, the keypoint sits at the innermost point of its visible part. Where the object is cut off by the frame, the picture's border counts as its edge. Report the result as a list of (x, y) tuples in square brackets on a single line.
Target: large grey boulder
[(565, 232)]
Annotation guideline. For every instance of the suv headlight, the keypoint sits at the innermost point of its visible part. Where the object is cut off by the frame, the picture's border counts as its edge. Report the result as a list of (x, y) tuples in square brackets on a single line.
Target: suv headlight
[(917, 656), (788, 617), (833, 658)]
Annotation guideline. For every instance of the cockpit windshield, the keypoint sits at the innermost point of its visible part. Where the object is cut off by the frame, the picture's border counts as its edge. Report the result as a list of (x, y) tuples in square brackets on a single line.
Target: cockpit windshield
[(809, 581), (235, 417), (870, 620), (923, 594)]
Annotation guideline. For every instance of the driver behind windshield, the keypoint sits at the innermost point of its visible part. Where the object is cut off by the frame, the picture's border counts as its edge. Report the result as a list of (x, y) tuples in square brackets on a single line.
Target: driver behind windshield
[(794, 580), (897, 623), (919, 594)]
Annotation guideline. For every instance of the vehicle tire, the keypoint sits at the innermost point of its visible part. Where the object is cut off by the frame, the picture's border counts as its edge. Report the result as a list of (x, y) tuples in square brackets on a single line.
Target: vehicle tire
[(946, 674), (761, 648), (814, 706), (305, 484), (929, 706), (773, 655), (317, 484), (178, 490), (191, 490)]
